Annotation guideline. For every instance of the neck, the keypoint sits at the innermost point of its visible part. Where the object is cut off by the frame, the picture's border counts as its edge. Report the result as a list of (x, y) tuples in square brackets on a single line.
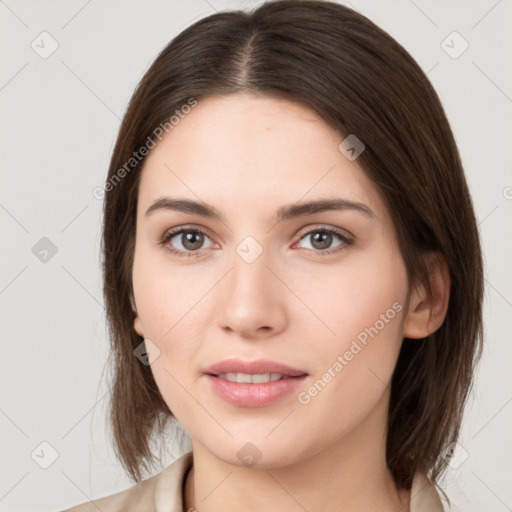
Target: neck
[(351, 475)]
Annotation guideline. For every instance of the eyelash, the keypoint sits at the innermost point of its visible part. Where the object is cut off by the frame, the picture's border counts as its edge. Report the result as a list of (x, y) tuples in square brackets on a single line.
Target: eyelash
[(191, 254)]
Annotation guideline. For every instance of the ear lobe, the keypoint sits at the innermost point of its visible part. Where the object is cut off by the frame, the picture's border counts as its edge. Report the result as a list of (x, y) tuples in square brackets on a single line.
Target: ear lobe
[(137, 324), (427, 308), (132, 302)]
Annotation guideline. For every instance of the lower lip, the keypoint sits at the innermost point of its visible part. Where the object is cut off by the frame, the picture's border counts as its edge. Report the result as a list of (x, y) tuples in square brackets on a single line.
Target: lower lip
[(253, 395)]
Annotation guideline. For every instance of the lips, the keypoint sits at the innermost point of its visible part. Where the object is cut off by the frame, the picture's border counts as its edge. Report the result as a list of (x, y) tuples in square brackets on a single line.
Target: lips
[(259, 367), (253, 383)]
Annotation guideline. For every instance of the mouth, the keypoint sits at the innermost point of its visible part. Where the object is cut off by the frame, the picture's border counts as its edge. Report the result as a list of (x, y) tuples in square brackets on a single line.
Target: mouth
[(253, 383), (259, 369), (247, 378)]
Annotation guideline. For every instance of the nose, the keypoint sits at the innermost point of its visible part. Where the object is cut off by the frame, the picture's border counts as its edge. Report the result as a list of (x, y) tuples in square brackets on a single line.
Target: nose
[(251, 300)]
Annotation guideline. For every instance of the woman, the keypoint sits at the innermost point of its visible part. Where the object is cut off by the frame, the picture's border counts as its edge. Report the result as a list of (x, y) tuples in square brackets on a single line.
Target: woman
[(292, 270)]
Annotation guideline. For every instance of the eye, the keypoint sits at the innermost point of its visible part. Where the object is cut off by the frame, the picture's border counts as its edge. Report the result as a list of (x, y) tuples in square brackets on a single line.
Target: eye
[(189, 242), (322, 238), (186, 242)]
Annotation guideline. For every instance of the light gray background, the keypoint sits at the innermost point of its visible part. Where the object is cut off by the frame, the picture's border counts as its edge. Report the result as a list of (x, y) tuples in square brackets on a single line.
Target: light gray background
[(60, 117)]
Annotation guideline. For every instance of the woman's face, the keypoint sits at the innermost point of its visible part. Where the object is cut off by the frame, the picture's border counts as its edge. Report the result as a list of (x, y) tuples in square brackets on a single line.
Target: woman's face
[(267, 281)]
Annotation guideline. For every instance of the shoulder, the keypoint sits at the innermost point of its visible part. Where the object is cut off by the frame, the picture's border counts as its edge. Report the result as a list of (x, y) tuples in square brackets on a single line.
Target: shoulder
[(155, 493), (424, 496)]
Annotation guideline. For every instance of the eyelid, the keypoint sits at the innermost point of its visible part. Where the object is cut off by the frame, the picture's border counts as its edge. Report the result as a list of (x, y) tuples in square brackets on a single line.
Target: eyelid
[(300, 233), (326, 227), (187, 227)]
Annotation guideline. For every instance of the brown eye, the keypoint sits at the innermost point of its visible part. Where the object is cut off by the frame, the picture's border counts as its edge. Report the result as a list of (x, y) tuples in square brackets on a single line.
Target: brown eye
[(192, 240), (185, 242), (322, 240)]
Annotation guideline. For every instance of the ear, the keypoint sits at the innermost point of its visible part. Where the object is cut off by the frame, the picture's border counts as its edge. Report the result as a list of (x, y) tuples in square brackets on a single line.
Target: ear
[(427, 308), (137, 325)]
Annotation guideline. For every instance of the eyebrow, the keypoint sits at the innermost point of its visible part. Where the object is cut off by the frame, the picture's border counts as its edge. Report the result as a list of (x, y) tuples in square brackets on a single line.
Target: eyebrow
[(286, 212)]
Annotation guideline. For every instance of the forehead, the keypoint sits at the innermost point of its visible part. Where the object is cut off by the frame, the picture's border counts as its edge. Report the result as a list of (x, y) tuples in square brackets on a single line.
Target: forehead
[(253, 151)]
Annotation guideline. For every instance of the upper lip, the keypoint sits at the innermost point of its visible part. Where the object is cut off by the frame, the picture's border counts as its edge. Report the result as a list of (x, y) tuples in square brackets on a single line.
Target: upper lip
[(259, 366)]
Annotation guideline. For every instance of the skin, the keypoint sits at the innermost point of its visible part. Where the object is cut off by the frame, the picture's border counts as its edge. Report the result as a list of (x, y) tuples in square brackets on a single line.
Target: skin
[(246, 156)]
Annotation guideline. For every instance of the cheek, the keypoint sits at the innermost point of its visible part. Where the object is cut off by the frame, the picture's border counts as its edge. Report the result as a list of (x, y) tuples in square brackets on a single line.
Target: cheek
[(363, 307), (356, 296), (166, 310), (163, 293), (172, 307)]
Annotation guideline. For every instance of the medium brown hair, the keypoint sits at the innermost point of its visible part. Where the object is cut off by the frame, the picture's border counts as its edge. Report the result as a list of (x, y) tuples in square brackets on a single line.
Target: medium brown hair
[(358, 79)]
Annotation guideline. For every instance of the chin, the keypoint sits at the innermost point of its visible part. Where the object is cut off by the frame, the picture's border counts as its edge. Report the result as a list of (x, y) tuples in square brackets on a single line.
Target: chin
[(258, 452)]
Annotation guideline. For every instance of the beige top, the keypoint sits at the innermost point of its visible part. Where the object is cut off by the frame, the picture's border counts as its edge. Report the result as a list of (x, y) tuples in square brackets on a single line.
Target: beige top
[(163, 492)]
